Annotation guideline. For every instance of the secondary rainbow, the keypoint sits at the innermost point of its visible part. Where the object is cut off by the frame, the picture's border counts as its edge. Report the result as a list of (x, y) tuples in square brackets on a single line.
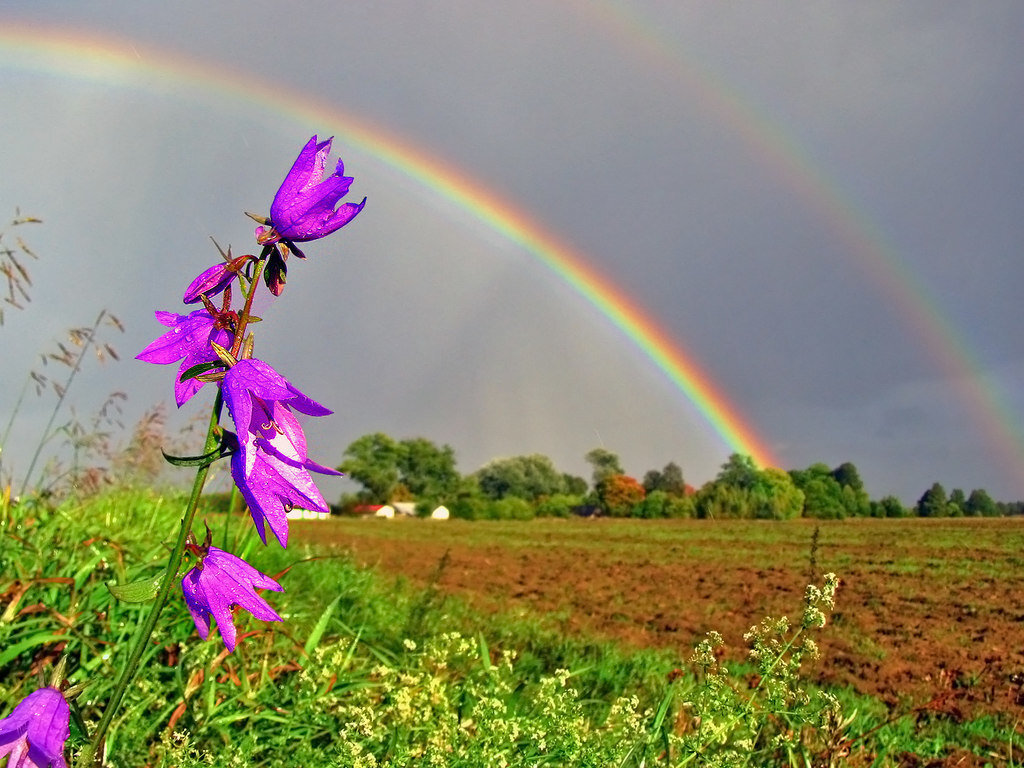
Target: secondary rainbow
[(70, 55), (775, 149)]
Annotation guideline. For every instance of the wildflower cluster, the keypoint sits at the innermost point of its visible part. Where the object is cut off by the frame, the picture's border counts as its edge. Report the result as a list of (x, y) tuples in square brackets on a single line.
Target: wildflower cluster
[(269, 463), (775, 715)]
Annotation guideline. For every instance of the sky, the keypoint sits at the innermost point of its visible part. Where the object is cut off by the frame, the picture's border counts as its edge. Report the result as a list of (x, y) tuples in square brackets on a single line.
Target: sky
[(672, 230)]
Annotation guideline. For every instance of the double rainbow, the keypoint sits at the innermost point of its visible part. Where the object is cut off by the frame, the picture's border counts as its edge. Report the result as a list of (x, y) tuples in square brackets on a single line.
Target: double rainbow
[(70, 54)]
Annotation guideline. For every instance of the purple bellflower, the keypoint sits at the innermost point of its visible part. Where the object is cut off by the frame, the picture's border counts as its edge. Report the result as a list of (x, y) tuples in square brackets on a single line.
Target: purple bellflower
[(304, 206), (33, 735), (219, 581), (189, 341), (272, 467), (211, 282)]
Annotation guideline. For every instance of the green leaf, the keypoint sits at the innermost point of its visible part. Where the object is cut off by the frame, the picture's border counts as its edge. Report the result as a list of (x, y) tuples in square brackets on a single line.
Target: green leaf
[(141, 591), (225, 448), (201, 368), (320, 627), (485, 652)]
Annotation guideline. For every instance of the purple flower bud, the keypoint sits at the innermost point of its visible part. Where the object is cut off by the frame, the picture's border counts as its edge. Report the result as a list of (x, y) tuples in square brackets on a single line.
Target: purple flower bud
[(304, 206), (211, 282), (220, 581), (189, 341), (33, 735)]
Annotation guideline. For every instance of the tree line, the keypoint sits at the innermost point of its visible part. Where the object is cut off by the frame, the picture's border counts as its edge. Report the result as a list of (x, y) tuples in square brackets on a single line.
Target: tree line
[(524, 487)]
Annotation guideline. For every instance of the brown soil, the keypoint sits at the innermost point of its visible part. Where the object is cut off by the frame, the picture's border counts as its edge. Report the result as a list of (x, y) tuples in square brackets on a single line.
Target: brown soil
[(925, 628)]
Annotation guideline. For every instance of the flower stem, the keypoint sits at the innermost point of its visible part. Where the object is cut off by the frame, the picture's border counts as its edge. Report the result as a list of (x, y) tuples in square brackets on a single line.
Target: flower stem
[(246, 313), (91, 755)]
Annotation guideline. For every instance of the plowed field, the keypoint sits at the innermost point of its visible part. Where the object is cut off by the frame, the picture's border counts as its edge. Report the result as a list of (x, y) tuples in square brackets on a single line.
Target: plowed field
[(930, 613)]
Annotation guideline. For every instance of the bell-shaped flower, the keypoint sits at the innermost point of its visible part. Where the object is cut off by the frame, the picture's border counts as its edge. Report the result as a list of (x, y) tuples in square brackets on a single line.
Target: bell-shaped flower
[(189, 341), (33, 735), (271, 467), (274, 486), (304, 207), (219, 581), (211, 282)]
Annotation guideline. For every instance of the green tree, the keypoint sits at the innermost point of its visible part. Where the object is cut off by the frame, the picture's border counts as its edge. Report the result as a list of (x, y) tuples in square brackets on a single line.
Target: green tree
[(717, 501), (574, 485), (957, 503), (372, 460), (739, 472), (775, 496), (388, 469), (680, 506), (889, 506), (670, 480), (654, 505), (847, 474), (823, 496), (605, 464), (933, 502), (428, 470), (980, 504), (525, 477)]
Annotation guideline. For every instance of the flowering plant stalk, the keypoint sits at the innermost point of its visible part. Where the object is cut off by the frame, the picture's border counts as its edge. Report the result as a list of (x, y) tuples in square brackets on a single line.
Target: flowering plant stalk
[(267, 448)]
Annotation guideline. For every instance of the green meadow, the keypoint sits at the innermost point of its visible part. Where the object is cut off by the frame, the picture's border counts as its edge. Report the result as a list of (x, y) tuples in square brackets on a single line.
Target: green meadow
[(371, 670)]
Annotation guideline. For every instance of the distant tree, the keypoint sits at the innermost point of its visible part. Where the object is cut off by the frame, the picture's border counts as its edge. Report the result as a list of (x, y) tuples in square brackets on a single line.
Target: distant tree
[(680, 506), (619, 494), (889, 506), (390, 470), (775, 496), (717, 500), (739, 472), (856, 503), (670, 480), (980, 504), (372, 460), (525, 477), (847, 474), (933, 502), (605, 464), (957, 506), (654, 505), (1010, 508), (574, 485), (428, 470), (823, 496)]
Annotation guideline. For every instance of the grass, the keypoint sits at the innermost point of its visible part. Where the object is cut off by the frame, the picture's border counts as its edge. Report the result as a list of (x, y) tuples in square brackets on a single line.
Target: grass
[(366, 673)]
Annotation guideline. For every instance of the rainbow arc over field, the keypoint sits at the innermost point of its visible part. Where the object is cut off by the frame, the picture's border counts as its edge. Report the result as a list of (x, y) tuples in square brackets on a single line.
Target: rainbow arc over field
[(72, 54), (637, 34)]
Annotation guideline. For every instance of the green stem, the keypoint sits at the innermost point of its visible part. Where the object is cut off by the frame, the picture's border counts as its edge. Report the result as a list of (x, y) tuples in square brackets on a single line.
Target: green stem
[(93, 750)]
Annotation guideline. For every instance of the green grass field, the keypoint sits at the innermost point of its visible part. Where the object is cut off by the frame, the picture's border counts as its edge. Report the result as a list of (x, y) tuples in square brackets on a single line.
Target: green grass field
[(367, 672)]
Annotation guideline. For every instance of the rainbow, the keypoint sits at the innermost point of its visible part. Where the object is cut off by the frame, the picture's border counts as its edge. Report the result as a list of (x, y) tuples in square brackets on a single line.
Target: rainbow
[(69, 54), (776, 150)]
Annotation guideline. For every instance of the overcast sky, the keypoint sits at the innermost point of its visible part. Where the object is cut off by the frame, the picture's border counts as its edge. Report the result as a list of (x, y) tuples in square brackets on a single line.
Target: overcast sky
[(820, 202)]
